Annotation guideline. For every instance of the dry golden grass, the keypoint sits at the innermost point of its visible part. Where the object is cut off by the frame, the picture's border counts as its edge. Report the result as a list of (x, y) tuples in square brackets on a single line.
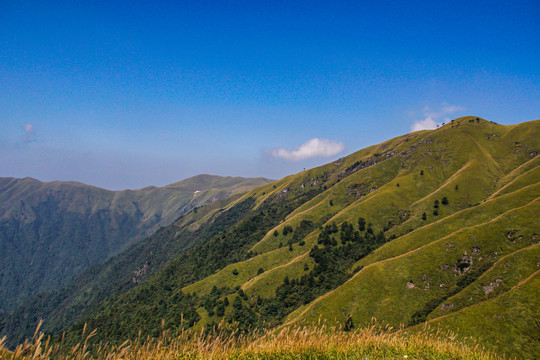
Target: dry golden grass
[(320, 342)]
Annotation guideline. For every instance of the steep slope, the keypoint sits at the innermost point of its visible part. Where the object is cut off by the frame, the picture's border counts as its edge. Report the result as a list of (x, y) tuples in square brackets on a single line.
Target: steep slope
[(403, 231), (61, 308), (51, 232), (395, 203), (508, 321), (398, 289), (440, 207)]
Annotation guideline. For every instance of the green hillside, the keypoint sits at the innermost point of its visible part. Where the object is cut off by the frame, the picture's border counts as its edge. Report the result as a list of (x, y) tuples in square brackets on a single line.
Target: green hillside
[(63, 307), (437, 227), (51, 232)]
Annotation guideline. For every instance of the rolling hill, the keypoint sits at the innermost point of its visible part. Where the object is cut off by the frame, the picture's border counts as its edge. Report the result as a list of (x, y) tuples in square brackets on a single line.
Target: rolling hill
[(435, 228), (51, 232)]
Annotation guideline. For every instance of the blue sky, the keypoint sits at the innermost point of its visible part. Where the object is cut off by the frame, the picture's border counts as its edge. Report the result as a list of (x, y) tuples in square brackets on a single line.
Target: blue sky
[(124, 94)]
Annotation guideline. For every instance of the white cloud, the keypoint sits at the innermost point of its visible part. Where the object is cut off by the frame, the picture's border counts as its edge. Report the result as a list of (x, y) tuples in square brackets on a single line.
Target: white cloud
[(432, 118), (427, 124), (312, 148), (29, 133)]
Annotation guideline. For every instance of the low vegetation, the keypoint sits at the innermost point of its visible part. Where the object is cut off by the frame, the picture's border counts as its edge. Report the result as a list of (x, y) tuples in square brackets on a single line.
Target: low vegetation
[(319, 342)]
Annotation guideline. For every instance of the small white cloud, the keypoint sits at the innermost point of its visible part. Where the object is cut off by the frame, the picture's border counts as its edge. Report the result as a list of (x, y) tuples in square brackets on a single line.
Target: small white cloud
[(29, 133), (427, 124), (312, 148), (431, 117)]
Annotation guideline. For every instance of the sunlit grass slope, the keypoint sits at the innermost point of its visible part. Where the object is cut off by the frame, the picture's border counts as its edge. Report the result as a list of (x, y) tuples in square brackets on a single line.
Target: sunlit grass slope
[(396, 288), (467, 174), (507, 322), (488, 172)]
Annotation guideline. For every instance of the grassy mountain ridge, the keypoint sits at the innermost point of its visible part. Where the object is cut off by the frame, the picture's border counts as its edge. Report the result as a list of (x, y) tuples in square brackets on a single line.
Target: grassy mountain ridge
[(474, 180), (50, 232), (405, 231), (374, 204)]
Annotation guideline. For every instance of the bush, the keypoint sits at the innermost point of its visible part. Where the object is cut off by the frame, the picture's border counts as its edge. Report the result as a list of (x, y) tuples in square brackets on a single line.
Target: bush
[(349, 324), (361, 224)]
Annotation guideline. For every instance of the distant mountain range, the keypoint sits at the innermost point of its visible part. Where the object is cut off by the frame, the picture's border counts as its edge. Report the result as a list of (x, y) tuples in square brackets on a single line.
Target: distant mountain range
[(51, 232), (435, 227)]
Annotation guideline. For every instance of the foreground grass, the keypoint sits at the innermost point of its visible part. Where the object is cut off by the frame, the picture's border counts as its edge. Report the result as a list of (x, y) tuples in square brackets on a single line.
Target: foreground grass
[(289, 343)]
